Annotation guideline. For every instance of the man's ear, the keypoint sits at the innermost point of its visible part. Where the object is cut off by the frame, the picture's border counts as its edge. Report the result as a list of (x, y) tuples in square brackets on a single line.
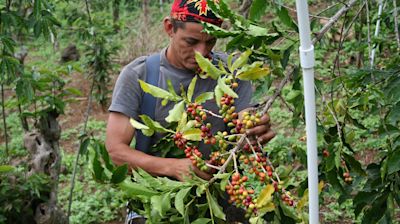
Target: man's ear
[(168, 27)]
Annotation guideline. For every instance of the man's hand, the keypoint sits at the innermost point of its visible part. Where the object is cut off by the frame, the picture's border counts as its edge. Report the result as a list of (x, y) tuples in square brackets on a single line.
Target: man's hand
[(262, 131), (183, 168)]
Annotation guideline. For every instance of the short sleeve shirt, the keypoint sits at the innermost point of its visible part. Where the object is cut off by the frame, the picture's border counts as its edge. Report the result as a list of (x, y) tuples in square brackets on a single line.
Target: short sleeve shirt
[(127, 95)]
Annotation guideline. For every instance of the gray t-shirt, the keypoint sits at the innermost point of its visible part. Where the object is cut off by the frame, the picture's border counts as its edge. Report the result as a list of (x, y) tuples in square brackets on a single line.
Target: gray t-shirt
[(127, 95)]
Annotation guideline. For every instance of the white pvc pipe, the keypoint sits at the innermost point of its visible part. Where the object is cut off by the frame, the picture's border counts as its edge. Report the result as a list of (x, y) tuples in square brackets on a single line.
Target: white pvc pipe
[(378, 23), (307, 63)]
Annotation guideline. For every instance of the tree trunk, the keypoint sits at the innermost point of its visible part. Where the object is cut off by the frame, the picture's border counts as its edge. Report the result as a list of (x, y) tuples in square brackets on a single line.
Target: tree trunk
[(116, 4), (42, 144), (245, 8)]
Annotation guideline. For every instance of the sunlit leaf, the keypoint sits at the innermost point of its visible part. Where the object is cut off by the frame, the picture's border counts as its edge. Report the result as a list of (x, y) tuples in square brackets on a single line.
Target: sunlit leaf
[(241, 61), (138, 125), (207, 67), (225, 88), (192, 134), (265, 195), (191, 88), (135, 189), (154, 125), (204, 97), (158, 92), (253, 73), (176, 112)]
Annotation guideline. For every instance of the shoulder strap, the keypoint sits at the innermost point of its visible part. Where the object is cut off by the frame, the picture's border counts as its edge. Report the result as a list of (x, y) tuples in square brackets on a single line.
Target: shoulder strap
[(148, 105)]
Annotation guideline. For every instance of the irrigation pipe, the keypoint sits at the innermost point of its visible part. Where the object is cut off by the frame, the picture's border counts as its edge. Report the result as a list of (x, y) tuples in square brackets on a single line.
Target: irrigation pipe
[(307, 62)]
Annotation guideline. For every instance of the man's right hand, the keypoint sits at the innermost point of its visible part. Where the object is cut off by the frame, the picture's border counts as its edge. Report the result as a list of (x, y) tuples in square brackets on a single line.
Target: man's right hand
[(183, 168)]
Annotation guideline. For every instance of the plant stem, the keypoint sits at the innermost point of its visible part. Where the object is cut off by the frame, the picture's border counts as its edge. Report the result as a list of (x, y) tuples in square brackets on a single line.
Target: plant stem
[(4, 118), (212, 113), (78, 151)]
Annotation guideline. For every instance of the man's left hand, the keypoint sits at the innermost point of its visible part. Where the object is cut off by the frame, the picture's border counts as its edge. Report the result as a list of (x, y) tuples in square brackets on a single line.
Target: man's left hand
[(262, 131)]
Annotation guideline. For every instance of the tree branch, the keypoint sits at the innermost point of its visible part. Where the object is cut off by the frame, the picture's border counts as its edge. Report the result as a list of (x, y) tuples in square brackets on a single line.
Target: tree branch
[(333, 20)]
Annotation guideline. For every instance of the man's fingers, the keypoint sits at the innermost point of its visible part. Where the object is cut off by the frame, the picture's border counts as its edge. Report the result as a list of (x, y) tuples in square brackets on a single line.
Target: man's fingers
[(201, 174), (259, 130), (266, 137)]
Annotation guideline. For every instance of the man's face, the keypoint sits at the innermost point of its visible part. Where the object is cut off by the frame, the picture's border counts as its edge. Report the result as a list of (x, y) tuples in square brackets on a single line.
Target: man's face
[(185, 41)]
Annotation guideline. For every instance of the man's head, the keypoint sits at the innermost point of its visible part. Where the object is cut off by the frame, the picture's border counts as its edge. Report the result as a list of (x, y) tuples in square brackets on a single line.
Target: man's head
[(185, 32)]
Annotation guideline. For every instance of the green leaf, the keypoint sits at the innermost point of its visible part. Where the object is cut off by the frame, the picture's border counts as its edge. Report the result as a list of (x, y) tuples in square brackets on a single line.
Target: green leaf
[(119, 174), (216, 209), (138, 125), (253, 72), (288, 211), (257, 9), (154, 125), (218, 94), (241, 61), (175, 113), (98, 169), (135, 189), (180, 198), (225, 88), (201, 221), (171, 88), (265, 195), (207, 67), (394, 161), (84, 146), (166, 203), (158, 92), (355, 165), (6, 168), (284, 16), (182, 124), (204, 97), (200, 189), (191, 88), (192, 134)]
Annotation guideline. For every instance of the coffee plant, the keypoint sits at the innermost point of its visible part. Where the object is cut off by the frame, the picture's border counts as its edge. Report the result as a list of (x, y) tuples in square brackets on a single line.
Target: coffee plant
[(243, 173)]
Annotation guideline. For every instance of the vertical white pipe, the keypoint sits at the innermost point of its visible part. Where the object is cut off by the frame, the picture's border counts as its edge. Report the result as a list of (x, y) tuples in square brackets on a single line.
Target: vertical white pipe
[(378, 23), (307, 64)]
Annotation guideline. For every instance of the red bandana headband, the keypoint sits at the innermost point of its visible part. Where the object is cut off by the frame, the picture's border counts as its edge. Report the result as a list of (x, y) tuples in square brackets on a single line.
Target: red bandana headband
[(194, 11)]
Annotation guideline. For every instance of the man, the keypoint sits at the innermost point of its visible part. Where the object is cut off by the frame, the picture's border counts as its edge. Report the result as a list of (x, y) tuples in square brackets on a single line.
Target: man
[(177, 64)]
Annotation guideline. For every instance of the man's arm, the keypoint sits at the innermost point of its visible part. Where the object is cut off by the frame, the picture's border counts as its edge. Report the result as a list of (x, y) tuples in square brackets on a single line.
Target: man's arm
[(118, 138)]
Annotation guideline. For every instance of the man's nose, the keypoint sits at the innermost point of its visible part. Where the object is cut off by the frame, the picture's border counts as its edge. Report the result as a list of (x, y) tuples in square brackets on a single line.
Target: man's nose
[(202, 49)]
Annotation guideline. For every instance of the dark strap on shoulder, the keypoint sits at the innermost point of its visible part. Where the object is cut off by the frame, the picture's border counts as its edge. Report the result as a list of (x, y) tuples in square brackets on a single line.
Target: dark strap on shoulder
[(148, 105)]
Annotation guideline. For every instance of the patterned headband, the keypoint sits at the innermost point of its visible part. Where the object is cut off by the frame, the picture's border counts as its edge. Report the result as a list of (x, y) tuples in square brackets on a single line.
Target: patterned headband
[(194, 11)]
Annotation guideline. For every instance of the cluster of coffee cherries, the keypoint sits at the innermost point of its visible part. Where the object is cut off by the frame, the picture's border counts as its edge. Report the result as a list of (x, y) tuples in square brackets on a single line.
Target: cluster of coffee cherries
[(217, 159), (257, 165), (193, 153), (287, 198), (207, 135), (241, 195), (195, 112), (347, 177), (227, 109), (179, 140)]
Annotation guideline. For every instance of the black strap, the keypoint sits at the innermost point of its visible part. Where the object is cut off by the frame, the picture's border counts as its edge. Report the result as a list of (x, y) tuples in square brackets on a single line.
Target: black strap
[(148, 105)]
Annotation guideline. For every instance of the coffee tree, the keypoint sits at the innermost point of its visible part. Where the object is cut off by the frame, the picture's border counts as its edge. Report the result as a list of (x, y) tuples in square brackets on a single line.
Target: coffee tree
[(241, 168)]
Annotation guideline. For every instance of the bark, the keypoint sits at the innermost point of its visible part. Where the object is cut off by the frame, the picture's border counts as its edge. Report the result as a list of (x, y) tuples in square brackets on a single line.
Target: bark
[(116, 4), (42, 144), (245, 8)]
